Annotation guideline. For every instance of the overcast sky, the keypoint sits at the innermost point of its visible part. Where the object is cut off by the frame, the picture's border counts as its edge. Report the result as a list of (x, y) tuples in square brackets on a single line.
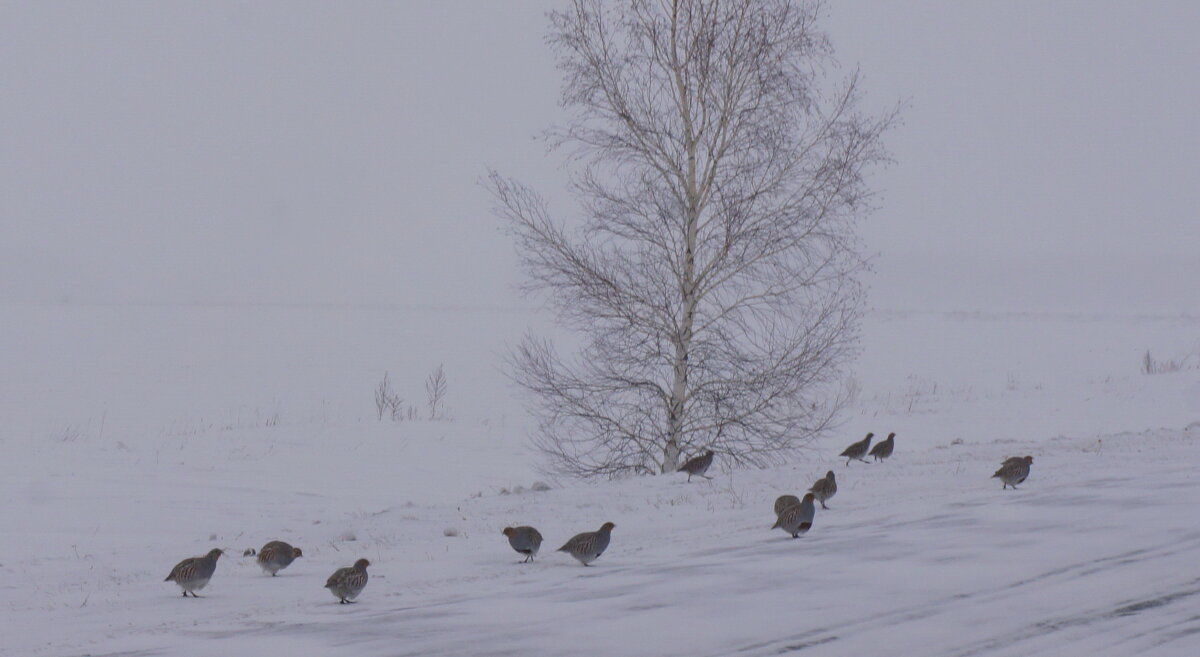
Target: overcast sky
[(330, 152)]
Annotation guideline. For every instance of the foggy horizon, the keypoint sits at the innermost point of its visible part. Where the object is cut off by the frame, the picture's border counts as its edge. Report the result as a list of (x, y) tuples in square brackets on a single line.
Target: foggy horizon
[(326, 154)]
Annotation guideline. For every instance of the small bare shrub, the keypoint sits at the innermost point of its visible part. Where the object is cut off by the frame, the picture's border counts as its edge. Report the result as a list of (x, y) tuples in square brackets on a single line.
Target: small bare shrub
[(388, 400), (435, 394), (1152, 366)]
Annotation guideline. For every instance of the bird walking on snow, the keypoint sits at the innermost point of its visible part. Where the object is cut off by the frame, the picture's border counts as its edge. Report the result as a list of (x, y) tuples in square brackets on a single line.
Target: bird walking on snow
[(798, 518), (588, 546), (192, 574), (346, 583), (783, 502), (525, 540), (883, 449), (858, 450), (824, 488), (277, 555), (697, 465), (1014, 470)]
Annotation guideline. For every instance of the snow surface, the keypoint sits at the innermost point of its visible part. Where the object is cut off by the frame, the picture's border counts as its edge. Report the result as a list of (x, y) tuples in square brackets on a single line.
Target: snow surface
[(136, 436)]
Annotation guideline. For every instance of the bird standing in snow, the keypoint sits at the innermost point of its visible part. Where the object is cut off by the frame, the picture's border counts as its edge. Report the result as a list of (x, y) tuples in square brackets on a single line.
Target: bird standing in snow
[(277, 555), (192, 574), (783, 502), (1014, 470), (588, 546), (858, 450), (883, 449), (525, 540), (346, 583), (697, 465), (798, 518), (824, 488)]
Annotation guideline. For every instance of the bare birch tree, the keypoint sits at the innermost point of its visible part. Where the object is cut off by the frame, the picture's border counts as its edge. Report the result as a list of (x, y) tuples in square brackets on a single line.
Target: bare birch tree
[(713, 274)]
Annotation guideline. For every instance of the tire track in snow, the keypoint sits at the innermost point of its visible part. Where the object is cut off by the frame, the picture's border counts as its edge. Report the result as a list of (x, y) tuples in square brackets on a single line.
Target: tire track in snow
[(890, 622)]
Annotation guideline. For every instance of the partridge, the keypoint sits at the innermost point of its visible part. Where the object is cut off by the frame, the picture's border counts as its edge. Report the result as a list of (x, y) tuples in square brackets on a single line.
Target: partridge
[(824, 489), (192, 574), (884, 449), (588, 546), (697, 465), (277, 555), (525, 540), (784, 501), (1014, 471), (346, 583), (858, 450), (797, 519)]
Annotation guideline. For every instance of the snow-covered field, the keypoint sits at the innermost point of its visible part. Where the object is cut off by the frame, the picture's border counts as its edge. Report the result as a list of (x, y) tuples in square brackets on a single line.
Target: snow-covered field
[(135, 436)]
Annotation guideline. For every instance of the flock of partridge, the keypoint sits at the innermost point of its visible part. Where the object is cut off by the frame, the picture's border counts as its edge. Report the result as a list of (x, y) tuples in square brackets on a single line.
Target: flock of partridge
[(792, 514), (795, 516), (193, 574)]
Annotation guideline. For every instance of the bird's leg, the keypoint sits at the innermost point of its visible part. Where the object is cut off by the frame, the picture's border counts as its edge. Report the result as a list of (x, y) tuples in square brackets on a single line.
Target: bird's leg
[(823, 505), (185, 593)]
